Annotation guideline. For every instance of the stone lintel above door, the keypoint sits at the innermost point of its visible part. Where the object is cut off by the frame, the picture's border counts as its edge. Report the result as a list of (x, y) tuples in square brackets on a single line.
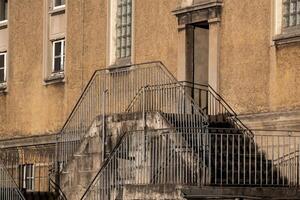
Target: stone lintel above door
[(194, 11)]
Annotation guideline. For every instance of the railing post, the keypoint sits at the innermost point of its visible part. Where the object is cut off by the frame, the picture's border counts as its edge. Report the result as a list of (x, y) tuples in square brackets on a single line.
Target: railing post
[(143, 109), (104, 140), (56, 173), (144, 120)]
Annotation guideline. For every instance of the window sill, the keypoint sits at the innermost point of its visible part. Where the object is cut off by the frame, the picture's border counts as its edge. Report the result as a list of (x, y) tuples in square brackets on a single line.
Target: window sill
[(120, 63), (3, 88), (3, 24), (58, 10), (287, 38), (58, 77)]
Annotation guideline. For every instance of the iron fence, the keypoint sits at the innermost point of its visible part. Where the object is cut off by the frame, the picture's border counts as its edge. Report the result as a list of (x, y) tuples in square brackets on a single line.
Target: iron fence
[(30, 167), (189, 156), (111, 91), (8, 188), (213, 104), (171, 100), (114, 87)]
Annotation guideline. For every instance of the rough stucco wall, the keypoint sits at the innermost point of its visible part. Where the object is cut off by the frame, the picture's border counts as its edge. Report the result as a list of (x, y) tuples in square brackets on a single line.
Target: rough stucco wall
[(285, 78), (86, 45), (155, 32), (250, 80), (244, 63), (30, 107)]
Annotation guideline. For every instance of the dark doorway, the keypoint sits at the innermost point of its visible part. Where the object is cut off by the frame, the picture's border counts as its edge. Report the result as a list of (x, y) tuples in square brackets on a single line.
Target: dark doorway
[(201, 53)]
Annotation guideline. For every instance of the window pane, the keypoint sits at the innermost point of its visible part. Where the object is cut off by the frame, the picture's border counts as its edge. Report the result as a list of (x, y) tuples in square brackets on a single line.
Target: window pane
[(123, 28), (57, 64), (1, 75), (3, 10), (64, 45), (57, 49), (59, 2), (1, 61), (291, 14)]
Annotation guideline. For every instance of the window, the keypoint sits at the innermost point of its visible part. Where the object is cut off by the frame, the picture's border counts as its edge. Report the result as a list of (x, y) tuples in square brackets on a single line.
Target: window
[(58, 3), (58, 62), (3, 10), (2, 68), (291, 13), (124, 25), (27, 177)]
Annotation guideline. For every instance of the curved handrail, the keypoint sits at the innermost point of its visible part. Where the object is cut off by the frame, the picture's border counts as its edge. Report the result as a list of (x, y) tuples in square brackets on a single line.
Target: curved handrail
[(110, 69), (287, 157), (167, 86), (121, 84), (221, 100)]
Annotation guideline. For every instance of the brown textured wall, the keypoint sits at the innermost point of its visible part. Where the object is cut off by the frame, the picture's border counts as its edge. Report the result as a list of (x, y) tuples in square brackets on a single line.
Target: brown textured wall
[(155, 32), (285, 83), (255, 76), (27, 110), (86, 45), (32, 107), (248, 79), (245, 42)]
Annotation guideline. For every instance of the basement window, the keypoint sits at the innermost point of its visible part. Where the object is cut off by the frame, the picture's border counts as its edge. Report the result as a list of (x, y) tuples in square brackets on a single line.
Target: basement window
[(58, 4), (58, 61), (27, 177), (3, 10), (3, 67)]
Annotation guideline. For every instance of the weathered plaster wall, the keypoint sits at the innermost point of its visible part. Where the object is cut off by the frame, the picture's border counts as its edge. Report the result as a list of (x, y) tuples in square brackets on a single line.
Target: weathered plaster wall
[(155, 32), (256, 76), (249, 81), (32, 107), (244, 67), (285, 83), (86, 45)]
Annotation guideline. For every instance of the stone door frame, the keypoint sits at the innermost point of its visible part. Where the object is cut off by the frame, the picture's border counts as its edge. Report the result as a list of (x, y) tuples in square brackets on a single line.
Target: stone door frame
[(187, 17)]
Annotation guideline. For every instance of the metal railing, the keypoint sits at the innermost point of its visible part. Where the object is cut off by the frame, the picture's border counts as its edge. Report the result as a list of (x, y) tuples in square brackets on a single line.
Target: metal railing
[(8, 188), (172, 102), (150, 157), (141, 87), (31, 166), (190, 156), (55, 188), (114, 87), (281, 148), (213, 104)]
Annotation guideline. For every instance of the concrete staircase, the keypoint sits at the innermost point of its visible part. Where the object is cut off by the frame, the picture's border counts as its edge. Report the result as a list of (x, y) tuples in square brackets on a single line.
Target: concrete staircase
[(87, 160)]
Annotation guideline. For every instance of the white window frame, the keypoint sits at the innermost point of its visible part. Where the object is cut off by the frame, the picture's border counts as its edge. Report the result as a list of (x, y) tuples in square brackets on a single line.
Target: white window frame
[(123, 51), (5, 20), (5, 65), (27, 178), (112, 59), (58, 7), (62, 55)]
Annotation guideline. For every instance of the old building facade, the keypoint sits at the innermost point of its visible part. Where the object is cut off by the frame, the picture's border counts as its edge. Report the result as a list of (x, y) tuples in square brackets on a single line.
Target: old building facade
[(247, 51)]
